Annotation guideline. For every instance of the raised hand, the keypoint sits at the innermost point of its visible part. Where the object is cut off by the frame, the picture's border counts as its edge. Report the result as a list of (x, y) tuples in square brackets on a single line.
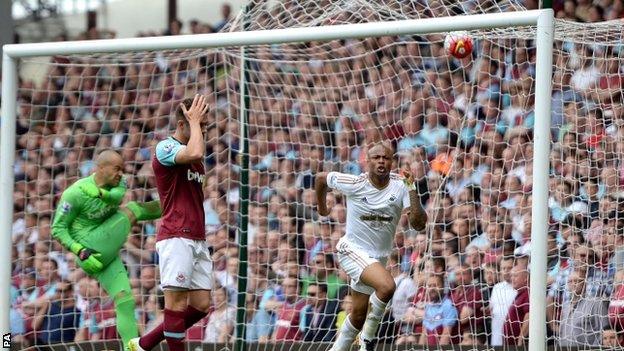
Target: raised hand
[(198, 109)]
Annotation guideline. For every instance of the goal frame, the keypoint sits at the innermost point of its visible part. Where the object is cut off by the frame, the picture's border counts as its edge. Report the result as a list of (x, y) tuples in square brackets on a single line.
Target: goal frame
[(543, 19)]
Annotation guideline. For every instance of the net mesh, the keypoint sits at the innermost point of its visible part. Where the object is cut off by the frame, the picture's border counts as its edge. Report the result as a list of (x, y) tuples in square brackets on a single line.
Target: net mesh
[(463, 127)]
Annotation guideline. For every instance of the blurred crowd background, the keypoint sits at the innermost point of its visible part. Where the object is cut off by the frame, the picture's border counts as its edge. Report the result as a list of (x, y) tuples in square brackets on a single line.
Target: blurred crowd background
[(463, 128)]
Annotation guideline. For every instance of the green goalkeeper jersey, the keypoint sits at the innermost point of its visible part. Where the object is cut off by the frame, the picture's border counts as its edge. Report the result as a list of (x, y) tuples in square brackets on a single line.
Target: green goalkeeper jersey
[(78, 214)]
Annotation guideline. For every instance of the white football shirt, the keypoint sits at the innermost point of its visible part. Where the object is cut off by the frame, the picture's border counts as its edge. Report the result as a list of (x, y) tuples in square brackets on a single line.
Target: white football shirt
[(372, 214)]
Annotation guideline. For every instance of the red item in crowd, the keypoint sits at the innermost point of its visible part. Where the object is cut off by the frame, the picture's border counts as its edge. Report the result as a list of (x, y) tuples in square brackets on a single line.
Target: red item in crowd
[(471, 297), (515, 317), (418, 301), (616, 308), (288, 317), (196, 332), (100, 319)]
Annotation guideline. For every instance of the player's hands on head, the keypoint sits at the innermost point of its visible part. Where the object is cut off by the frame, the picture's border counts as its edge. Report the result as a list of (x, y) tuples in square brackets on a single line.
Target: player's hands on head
[(197, 111), (90, 190)]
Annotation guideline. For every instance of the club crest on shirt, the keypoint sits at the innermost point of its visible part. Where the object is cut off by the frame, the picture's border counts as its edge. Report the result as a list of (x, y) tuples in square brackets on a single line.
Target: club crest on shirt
[(168, 147), (392, 198), (65, 207)]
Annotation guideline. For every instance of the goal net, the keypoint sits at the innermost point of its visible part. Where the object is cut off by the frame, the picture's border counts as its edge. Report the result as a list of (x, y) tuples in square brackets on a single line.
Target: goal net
[(464, 128)]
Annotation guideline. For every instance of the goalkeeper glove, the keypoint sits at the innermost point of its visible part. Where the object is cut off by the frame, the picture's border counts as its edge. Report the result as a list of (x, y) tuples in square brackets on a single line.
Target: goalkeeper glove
[(90, 260)]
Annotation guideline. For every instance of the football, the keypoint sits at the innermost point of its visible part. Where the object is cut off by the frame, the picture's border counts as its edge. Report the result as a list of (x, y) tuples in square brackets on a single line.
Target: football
[(458, 44)]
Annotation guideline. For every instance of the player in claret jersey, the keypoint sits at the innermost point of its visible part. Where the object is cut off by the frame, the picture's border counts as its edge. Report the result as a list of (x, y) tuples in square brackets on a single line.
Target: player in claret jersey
[(185, 264)]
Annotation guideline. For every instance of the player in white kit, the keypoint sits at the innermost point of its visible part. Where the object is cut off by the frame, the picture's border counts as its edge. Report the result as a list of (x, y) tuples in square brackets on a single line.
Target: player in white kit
[(375, 202)]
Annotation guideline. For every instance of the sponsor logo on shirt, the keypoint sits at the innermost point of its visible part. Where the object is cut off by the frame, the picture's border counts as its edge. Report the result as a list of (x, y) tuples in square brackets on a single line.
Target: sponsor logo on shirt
[(195, 176), (100, 213), (376, 218), (376, 221)]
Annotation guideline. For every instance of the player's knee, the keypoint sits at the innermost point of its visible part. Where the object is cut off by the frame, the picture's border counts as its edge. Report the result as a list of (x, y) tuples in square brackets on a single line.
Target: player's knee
[(176, 300), (202, 306), (385, 291), (124, 298), (128, 212)]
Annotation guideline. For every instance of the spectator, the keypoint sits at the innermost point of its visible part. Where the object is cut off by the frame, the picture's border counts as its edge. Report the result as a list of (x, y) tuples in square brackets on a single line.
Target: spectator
[(323, 271), (466, 298), (226, 11), (17, 325), (258, 322), (98, 320), (175, 27), (147, 279), (345, 308), (502, 298), (516, 327), (582, 319), (610, 338), (410, 326), (228, 278), (405, 288), (221, 321), (154, 307), (289, 315), (440, 316), (616, 305), (319, 315), (58, 321)]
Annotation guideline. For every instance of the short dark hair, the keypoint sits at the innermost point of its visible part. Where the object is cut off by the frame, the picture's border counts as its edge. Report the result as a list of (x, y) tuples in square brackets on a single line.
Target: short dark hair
[(321, 286)]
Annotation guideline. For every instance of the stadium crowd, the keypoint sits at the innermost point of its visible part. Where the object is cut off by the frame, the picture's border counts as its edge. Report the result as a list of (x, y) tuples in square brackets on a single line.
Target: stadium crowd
[(464, 128)]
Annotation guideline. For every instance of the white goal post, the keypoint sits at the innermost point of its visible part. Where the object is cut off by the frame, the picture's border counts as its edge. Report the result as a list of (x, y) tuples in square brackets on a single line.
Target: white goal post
[(543, 19)]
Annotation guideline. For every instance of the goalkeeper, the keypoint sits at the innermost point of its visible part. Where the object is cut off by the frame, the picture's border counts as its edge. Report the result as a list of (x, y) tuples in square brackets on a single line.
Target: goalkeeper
[(89, 222)]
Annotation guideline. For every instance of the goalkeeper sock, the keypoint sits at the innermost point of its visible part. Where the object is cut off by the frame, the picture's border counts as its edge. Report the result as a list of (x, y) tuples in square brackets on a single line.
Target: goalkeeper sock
[(126, 323), (174, 330), (145, 211), (346, 335), (378, 308), (154, 337)]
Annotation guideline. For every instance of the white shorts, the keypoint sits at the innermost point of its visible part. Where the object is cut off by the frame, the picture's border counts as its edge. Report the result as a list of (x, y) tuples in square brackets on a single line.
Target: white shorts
[(353, 261), (184, 264)]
